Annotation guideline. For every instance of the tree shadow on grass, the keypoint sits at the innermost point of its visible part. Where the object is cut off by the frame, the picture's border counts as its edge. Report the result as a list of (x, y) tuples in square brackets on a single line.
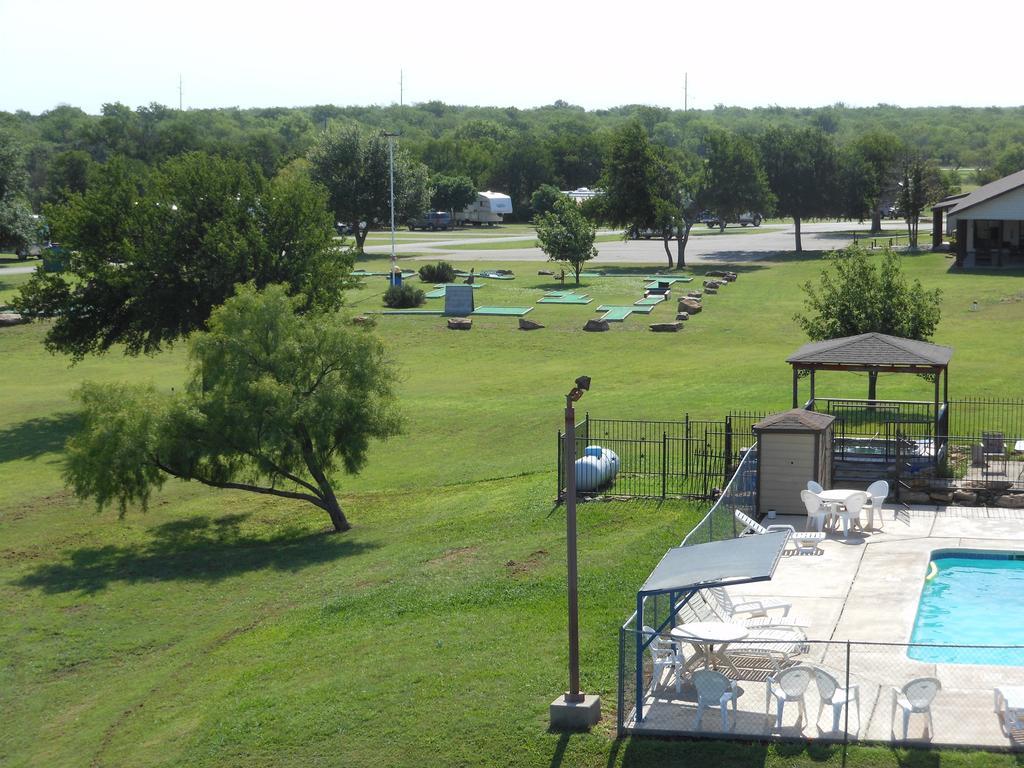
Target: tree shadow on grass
[(197, 549), (31, 439)]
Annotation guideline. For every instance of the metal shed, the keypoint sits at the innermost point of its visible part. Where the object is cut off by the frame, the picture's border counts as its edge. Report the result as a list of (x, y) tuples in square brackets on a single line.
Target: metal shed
[(794, 446)]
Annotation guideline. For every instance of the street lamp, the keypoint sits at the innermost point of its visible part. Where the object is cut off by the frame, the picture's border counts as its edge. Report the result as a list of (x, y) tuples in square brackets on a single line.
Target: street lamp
[(573, 709)]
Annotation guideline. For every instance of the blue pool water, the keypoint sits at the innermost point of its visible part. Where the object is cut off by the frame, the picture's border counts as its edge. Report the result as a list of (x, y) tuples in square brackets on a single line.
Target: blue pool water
[(975, 598)]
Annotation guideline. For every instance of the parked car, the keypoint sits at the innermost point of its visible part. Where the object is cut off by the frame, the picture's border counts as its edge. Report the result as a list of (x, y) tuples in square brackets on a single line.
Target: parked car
[(646, 233), (749, 217), (432, 220)]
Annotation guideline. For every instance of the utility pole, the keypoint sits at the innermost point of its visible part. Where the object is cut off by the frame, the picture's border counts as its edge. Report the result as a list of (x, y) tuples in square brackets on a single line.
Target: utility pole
[(391, 174)]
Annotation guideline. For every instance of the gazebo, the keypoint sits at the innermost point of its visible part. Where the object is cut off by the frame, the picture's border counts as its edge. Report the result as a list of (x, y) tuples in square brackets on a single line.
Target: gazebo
[(872, 353)]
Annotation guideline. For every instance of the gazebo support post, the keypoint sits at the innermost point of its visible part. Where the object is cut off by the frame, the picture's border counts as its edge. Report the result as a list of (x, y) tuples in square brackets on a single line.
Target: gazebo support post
[(796, 385), (811, 400)]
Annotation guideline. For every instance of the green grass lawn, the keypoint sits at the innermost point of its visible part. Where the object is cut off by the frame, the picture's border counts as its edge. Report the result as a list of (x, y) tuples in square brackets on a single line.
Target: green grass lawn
[(223, 629)]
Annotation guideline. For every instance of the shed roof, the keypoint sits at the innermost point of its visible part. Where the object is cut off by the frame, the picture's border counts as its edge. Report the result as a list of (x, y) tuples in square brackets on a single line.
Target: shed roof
[(797, 418), (989, 191), (733, 561), (949, 202), (871, 349)]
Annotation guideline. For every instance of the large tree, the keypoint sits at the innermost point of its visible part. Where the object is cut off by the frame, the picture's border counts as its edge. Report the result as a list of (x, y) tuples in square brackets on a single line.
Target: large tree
[(150, 256), (451, 193), (872, 168), (277, 402), (734, 178), (802, 171), (859, 293), (566, 235), (921, 184), (354, 166), (17, 227)]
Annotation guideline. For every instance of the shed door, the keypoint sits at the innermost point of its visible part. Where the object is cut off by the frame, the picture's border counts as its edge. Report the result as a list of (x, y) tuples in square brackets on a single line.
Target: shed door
[(786, 464)]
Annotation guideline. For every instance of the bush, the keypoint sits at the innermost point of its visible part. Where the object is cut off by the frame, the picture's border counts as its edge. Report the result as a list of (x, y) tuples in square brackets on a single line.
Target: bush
[(403, 296), (442, 272)]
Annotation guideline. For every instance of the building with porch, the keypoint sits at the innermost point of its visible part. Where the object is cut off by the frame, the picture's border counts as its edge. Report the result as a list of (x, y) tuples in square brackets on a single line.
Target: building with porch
[(988, 223)]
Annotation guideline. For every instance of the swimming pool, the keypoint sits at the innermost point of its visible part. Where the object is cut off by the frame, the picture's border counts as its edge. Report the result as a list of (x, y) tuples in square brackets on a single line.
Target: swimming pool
[(975, 597)]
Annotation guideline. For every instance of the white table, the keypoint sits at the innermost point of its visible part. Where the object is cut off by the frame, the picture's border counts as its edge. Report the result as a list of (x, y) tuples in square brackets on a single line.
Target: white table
[(705, 635), (839, 495)]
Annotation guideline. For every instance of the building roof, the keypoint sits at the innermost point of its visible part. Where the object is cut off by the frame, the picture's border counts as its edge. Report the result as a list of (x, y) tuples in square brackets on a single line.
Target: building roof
[(949, 202), (871, 349), (717, 563), (798, 418), (989, 191)]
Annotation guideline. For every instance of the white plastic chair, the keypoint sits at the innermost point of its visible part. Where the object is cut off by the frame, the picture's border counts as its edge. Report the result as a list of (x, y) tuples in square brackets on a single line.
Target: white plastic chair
[(851, 510), (831, 693), (715, 690), (804, 542), (664, 655), (879, 492), (817, 510), (916, 697), (788, 685), (814, 487)]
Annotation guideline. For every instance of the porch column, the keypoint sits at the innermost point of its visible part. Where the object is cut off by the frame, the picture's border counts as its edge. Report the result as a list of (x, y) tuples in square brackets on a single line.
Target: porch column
[(796, 384), (936, 228)]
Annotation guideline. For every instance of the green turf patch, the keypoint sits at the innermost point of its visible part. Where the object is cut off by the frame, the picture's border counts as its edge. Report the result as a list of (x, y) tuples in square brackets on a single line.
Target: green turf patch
[(564, 300), (649, 301), (502, 311)]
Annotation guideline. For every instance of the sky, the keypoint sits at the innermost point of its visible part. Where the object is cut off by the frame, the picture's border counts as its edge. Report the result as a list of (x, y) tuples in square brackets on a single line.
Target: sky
[(596, 54)]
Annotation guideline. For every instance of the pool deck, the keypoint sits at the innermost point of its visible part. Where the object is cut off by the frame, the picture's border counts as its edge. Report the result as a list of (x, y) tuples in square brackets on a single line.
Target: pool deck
[(865, 589)]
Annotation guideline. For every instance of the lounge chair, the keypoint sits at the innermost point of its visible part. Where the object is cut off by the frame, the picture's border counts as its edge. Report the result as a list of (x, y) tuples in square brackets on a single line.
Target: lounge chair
[(916, 697), (665, 655), (755, 606), (804, 542), (701, 607), (1010, 704), (788, 685), (715, 690), (879, 492), (831, 693), (817, 510), (768, 647)]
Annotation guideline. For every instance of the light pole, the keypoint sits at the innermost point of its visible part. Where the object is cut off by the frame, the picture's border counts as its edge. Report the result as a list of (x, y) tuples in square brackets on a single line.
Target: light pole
[(573, 709), (391, 177)]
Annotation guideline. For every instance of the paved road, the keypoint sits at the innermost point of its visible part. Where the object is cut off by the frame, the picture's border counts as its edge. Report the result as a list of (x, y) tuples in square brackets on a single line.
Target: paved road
[(17, 270), (732, 246)]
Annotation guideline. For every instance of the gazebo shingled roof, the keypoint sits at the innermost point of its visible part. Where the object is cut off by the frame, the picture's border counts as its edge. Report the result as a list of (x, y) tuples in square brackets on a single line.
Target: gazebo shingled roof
[(874, 353), (877, 350)]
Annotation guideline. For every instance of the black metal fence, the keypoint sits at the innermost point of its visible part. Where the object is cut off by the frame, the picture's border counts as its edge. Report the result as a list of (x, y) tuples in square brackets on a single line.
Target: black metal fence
[(691, 458)]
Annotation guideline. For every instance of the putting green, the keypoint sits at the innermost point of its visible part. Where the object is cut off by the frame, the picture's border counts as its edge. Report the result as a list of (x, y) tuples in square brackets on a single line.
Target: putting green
[(564, 300), (645, 309), (649, 301), (617, 314), (413, 312), (509, 311)]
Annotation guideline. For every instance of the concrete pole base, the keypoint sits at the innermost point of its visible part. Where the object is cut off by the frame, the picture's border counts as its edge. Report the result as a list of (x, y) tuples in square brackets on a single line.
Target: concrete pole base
[(571, 716)]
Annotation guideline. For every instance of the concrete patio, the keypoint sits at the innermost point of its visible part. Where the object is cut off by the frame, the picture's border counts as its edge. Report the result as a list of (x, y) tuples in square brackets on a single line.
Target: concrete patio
[(865, 590)]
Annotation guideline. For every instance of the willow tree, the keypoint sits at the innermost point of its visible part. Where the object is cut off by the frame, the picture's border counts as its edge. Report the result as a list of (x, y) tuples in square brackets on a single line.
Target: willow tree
[(277, 402)]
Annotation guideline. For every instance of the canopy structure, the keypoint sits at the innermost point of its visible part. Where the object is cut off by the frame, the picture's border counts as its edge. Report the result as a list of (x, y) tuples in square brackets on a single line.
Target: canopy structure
[(872, 353), (684, 570)]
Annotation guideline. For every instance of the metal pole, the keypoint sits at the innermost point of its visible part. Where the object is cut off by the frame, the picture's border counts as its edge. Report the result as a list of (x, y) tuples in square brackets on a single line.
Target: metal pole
[(391, 174), (573, 696)]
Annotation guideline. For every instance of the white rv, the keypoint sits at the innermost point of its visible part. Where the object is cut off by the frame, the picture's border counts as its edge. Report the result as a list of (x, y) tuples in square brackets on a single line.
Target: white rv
[(488, 209)]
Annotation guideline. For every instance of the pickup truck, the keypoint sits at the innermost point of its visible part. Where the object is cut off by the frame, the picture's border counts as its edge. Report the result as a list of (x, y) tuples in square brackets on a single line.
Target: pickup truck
[(749, 217), (432, 220)]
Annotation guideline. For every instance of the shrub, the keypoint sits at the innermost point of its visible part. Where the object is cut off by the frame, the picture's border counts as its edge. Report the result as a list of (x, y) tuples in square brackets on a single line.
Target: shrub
[(442, 272), (403, 296)]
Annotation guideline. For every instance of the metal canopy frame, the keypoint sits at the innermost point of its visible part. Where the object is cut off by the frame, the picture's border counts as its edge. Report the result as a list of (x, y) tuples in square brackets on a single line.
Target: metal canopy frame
[(682, 571)]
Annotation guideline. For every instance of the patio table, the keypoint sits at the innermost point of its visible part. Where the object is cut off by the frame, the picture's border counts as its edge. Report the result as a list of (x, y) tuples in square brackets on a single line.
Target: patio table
[(836, 496), (705, 635)]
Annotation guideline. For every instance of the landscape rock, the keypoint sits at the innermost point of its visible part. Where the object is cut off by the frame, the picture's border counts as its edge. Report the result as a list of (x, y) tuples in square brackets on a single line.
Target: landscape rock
[(967, 498), (730, 277), (11, 318), (666, 327), (460, 323), (915, 497), (528, 325), (716, 273), (596, 324), (544, 272), (942, 497), (690, 306), (683, 316), (1011, 501), (695, 294), (361, 320), (710, 290)]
